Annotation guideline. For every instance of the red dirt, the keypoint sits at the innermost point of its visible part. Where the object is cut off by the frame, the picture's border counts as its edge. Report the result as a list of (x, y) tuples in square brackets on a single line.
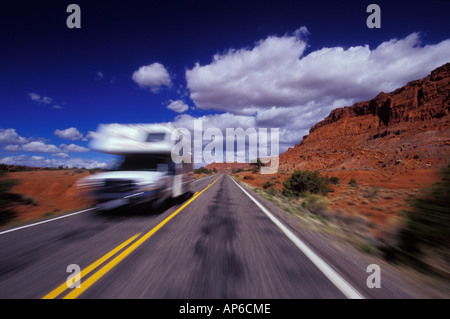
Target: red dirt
[(53, 191), (379, 196)]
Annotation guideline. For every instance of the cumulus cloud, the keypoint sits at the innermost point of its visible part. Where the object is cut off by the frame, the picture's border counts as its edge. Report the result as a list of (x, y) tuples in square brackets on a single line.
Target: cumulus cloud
[(61, 155), (12, 148), (70, 133), (40, 147), (89, 135), (10, 136), (275, 84), (40, 161), (289, 131), (73, 148), (152, 76), (221, 121), (178, 106)]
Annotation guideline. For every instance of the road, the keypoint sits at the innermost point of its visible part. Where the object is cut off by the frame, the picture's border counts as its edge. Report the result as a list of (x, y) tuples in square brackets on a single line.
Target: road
[(217, 244)]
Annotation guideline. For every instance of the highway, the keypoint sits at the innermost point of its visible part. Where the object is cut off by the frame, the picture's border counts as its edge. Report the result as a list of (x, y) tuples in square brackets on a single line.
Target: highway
[(223, 242)]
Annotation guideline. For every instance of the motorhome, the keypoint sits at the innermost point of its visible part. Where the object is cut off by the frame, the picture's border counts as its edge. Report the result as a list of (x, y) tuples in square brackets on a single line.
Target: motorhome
[(145, 173)]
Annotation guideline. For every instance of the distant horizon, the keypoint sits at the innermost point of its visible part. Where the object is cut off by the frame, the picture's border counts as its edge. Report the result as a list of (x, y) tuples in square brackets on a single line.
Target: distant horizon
[(283, 65)]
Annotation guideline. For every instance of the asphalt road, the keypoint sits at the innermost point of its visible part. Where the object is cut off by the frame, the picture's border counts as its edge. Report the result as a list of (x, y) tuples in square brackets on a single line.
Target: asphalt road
[(217, 244)]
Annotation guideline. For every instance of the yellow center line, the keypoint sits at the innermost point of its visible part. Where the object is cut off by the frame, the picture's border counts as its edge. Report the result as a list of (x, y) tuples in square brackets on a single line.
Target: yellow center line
[(55, 293), (105, 269)]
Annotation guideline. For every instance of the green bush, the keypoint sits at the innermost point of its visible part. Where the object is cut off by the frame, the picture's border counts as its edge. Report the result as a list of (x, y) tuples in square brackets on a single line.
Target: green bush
[(352, 182), (267, 184), (3, 169), (7, 199), (334, 180), (20, 168), (258, 163), (301, 182), (428, 222), (202, 170), (316, 204)]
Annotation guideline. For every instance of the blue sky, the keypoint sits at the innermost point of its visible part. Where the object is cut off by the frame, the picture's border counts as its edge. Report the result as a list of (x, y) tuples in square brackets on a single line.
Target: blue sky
[(283, 64)]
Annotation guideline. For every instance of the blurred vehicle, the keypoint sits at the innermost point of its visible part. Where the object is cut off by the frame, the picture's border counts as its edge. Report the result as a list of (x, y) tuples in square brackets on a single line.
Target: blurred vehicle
[(146, 173)]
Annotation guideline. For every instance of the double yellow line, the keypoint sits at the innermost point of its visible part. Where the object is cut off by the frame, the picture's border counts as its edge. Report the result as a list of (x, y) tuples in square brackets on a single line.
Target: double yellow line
[(75, 292)]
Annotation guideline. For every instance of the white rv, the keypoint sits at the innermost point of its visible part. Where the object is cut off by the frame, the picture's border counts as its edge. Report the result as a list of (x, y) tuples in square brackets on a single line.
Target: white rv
[(146, 172)]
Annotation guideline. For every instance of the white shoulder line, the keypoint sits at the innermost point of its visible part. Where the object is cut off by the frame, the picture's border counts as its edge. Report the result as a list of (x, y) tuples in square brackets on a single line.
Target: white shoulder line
[(46, 221), (329, 272)]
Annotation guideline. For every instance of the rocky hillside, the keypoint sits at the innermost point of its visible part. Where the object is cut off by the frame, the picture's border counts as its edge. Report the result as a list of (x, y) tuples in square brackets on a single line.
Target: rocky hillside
[(406, 128)]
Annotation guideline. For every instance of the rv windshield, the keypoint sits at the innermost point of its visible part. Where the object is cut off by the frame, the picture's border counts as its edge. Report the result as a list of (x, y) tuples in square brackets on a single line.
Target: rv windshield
[(141, 163)]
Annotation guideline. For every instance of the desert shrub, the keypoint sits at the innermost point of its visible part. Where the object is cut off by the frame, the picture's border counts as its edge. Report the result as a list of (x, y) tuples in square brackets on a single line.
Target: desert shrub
[(258, 163), (352, 182), (301, 182), (267, 184), (334, 180), (28, 200), (3, 169), (6, 184), (428, 221), (7, 199), (316, 204), (202, 170), (20, 168)]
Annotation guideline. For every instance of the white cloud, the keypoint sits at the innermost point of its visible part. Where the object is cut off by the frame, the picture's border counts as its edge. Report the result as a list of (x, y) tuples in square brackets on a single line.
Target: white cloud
[(73, 148), (70, 133), (99, 75), (178, 106), (40, 147), (40, 161), (10, 136), (89, 135), (36, 97), (152, 76), (46, 100), (61, 155), (289, 130), (12, 148), (222, 121)]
